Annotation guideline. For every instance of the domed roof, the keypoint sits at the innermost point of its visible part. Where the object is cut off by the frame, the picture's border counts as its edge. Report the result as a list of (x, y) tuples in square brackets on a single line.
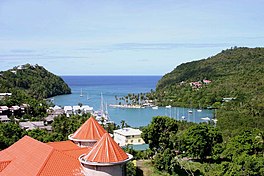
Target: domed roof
[(106, 150), (90, 130)]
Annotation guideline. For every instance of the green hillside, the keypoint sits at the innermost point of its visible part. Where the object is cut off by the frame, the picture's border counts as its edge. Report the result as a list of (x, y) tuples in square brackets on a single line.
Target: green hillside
[(236, 88), (33, 80)]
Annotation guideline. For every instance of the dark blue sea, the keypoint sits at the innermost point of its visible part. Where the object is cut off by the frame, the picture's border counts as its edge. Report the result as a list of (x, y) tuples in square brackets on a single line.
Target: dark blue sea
[(91, 88)]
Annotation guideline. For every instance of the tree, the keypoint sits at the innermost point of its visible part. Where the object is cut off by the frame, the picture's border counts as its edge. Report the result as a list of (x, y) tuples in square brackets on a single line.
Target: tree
[(200, 140), (160, 132), (9, 134)]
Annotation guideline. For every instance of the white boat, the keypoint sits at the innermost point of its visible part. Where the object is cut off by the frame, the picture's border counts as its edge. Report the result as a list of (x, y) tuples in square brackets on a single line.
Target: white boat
[(183, 117), (169, 106), (206, 118), (102, 115), (155, 107), (81, 95), (190, 111), (199, 110)]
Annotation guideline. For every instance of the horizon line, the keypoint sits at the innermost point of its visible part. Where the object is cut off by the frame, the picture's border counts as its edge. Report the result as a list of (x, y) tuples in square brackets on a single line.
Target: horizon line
[(109, 75)]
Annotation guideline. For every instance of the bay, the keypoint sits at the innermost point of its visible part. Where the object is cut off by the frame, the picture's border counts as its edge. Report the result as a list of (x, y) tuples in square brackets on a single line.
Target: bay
[(91, 88)]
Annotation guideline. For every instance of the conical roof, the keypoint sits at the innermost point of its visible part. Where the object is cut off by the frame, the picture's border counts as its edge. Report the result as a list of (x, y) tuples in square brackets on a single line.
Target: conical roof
[(90, 130), (106, 150)]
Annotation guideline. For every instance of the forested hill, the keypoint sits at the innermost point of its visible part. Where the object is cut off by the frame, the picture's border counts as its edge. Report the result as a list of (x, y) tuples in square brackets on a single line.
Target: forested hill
[(34, 80), (234, 73)]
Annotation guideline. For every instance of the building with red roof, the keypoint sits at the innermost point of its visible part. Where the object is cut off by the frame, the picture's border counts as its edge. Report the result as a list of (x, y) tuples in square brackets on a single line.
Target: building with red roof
[(88, 134), (105, 158), (29, 157)]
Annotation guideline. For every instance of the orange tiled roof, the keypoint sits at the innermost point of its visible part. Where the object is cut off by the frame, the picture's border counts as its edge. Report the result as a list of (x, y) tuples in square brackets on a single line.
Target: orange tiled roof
[(69, 148), (106, 150), (3, 165), (30, 157), (90, 130)]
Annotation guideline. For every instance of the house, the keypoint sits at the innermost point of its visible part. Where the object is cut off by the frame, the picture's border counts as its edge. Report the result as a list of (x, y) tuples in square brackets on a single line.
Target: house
[(4, 119), (86, 109), (2, 95), (205, 81), (196, 85), (127, 136), (32, 125), (76, 109), (29, 157), (67, 110)]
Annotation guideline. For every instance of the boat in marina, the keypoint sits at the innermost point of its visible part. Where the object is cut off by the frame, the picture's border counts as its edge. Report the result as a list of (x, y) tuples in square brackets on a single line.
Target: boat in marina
[(206, 118), (102, 115), (81, 95), (169, 106), (155, 107), (125, 106)]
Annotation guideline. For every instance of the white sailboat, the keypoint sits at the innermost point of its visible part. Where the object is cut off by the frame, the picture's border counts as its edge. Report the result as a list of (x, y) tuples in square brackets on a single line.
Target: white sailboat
[(102, 115), (81, 95)]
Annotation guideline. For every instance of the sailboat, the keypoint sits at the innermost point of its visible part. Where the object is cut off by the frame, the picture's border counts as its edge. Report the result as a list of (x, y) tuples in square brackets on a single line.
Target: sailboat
[(88, 98), (200, 109), (81, 95), (102, 115)]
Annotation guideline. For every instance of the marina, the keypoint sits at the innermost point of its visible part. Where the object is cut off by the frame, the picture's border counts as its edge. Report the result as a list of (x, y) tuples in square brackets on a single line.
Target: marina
[(111, 86)]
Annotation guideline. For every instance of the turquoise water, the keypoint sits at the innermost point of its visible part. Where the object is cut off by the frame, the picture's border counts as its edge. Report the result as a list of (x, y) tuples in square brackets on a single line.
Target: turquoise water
[(111, 86)]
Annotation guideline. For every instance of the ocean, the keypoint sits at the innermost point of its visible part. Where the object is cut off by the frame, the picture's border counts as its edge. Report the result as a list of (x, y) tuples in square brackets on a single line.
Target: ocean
[(91, 88)]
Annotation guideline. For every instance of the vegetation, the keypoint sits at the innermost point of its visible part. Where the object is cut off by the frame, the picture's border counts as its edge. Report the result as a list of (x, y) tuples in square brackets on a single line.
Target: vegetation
[(30, 85), (199, 149), (35, 81)]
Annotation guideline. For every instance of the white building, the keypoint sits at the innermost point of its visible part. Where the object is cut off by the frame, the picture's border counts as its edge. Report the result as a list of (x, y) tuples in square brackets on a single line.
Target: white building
[(4, 119), (127, 136)]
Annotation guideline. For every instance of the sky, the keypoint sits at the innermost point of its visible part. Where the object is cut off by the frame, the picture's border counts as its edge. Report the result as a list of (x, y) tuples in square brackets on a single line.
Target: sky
[(124, 37)]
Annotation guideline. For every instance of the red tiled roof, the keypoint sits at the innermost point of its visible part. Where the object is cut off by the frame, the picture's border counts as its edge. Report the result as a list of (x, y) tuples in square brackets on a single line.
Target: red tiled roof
[(90, 130), (69, 148), (63, 145), (30, 157), (106, 150), (3, 165)]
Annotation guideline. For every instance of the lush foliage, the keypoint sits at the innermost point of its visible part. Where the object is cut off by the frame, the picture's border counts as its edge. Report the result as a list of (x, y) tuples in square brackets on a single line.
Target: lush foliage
[(34, 80), (159, 134), (236, 73), (200, 140), (9, 134), (199, 149)]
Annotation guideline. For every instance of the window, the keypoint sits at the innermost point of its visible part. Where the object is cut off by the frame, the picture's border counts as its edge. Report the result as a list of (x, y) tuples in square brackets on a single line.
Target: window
[(131, 141), (139, 140)]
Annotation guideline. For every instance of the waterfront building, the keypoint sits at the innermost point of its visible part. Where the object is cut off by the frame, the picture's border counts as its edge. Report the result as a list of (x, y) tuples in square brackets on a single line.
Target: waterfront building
[(127, 136), (4, 119)]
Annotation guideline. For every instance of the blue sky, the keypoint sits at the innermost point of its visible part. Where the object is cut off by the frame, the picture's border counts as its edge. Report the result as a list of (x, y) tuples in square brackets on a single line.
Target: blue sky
[(123, 37)]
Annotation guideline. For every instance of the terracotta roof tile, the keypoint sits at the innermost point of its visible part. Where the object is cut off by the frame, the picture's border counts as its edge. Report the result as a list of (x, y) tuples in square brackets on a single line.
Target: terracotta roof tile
[(30, 157), (63, 145), (90, 130), (69, 148), (106, 150), (3, 165)]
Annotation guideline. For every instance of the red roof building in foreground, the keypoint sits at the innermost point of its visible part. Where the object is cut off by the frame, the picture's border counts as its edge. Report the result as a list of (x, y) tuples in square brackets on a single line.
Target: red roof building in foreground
[(88, 134), (106, 156), (29, 157)]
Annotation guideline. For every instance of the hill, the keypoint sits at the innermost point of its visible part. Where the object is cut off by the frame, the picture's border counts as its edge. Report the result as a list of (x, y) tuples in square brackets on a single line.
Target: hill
[(231, 81), (33, 80)]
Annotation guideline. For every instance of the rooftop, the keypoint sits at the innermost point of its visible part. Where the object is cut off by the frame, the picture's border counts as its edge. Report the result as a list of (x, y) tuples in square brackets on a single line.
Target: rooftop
[(29, 157), (106, 150), (128, 131), (90, 130)]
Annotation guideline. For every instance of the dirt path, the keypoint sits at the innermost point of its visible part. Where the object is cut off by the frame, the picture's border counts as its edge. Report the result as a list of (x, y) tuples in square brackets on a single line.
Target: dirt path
[(144, 166)]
